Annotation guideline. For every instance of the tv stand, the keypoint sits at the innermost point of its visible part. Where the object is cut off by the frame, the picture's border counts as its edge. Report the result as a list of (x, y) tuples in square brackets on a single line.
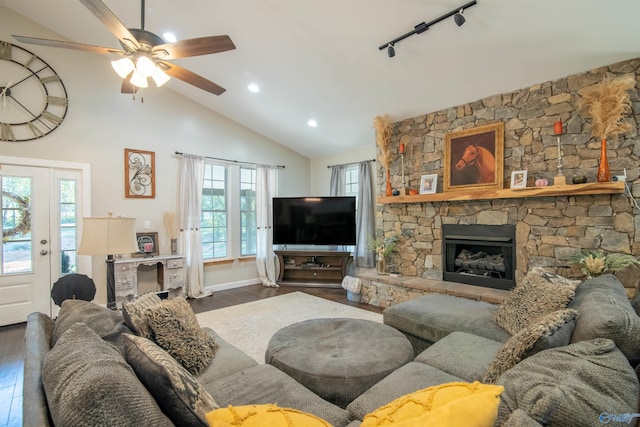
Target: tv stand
[(312, 268)]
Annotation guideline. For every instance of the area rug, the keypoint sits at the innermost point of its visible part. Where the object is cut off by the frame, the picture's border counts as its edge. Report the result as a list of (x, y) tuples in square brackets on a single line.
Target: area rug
[(250, 326)]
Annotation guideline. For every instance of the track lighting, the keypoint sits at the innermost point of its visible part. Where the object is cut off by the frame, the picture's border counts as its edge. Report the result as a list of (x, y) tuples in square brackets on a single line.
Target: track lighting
[(458, 18), (424, 26)]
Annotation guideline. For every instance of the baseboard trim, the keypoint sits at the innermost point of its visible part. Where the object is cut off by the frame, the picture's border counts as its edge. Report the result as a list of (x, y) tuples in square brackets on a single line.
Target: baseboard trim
[(233, 285)]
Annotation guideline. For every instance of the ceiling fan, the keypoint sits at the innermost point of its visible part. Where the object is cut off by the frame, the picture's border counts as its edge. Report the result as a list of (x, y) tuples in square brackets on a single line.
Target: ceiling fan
[(145, 53)]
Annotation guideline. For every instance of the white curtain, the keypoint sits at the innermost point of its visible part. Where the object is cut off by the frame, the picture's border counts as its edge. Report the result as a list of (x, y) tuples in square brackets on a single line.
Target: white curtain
[(337, 185), (190, 176), (265, 191), (365, 219)]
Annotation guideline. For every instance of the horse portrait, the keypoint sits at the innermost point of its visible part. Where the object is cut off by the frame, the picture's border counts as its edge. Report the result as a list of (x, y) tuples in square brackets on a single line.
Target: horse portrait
[(474, 158)]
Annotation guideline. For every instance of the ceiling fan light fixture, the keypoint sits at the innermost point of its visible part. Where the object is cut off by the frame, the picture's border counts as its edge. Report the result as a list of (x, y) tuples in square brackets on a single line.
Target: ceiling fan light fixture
[(137, 79), (145, 66), (123, 67), (160, 77)]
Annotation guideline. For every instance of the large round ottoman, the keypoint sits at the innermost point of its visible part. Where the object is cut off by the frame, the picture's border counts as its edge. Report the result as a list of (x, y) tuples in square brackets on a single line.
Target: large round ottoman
[(338, 359)]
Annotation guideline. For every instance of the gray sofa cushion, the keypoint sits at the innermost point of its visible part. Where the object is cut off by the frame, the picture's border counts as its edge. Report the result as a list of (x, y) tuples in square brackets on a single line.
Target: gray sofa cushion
[(266, 384), (604, 311), (88, 383), (411, 377), (571, 385), (434, 316), (461, 354), (179, 395), (228, 360), (37, 342), (108, 324), (528, 341)]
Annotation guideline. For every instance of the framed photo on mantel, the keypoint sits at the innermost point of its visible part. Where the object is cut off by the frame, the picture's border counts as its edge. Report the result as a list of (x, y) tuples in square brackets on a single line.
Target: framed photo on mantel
[(139, 174), (474, 158)]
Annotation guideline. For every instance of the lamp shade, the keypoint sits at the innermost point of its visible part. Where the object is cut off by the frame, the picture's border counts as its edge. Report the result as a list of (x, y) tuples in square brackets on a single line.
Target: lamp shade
[(108, 236)]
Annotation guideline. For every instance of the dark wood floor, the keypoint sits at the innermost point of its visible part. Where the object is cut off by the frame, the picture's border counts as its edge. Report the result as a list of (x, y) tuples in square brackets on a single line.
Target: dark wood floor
[(12, 339)]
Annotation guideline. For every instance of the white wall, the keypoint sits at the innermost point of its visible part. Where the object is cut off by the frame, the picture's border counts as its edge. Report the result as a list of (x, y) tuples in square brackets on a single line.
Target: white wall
[(101, 122), (321, 174)]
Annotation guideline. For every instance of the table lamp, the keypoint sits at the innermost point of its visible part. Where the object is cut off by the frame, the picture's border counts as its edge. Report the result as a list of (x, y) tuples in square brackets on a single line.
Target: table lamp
[(108, 236)]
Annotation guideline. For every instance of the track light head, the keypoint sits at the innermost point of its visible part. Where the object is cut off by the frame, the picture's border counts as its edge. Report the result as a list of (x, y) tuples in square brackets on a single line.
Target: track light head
[(458, 18), (391, 51)]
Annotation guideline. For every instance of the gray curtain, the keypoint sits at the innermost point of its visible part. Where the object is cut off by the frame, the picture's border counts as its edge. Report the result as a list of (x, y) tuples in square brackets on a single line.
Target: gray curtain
[(337, 186), (365, 218)]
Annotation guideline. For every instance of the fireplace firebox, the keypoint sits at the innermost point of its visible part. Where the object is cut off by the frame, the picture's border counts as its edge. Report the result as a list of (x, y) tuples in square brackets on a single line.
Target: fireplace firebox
[(481, 255)]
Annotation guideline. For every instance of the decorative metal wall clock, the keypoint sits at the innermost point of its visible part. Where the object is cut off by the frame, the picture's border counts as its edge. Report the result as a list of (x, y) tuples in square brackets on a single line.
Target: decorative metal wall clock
[(33, 99)]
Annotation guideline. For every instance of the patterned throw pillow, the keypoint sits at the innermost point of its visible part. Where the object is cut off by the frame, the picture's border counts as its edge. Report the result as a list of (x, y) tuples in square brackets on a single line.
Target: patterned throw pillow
[(263, 415), (106, 323), (530, 300), (133, 313), (523, 344), (176, 329), (177, 392)]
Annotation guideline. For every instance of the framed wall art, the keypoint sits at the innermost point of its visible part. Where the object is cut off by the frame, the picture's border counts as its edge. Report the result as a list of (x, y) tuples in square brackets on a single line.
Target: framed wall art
[(147, 244), (428, 184), (474, 158), (519, 179), (139, 174)]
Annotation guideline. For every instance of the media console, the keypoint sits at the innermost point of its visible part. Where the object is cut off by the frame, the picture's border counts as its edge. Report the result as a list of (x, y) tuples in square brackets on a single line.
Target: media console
[(311, 268)]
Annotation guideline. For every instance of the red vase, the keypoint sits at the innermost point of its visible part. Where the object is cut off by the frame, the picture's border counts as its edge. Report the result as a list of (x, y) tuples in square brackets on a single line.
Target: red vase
[(604, 174), (389, 191)]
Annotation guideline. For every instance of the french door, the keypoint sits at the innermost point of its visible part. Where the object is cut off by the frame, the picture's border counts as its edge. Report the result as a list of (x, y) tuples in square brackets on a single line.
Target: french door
[(40, 211)]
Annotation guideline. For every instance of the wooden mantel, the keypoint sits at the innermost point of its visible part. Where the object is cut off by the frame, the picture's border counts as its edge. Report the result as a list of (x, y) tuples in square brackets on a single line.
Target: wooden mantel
[(551, 190)]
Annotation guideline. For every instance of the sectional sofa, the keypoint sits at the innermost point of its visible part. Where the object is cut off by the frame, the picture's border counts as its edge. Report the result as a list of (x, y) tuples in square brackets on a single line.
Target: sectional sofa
[(573, 365)]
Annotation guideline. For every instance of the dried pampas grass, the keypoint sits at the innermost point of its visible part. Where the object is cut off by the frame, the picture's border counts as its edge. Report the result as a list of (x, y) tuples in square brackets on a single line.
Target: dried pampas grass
[(607, 103), (382, 125)]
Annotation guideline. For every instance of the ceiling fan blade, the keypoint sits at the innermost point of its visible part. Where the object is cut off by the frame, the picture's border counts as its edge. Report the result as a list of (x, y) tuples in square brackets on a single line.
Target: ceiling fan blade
[(111, 21), (68, 45), (194, 47), (191, 78)]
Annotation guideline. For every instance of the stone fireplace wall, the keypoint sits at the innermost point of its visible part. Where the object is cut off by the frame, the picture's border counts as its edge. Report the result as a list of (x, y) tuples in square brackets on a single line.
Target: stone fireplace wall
[(547, 228)]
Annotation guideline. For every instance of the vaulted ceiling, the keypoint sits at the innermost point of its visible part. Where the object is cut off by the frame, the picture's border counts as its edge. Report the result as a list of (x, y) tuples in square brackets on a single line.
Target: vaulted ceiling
[(319, 59)]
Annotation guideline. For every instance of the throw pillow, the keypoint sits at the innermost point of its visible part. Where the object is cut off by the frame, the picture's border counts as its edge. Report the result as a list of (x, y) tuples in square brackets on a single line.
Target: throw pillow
[(262, 415), (87, 382), (452, 404), (530, 300), (538, 274), (179, 395), (108, 324), (176, 329), (133, 313), (571, 385), (525, 342)]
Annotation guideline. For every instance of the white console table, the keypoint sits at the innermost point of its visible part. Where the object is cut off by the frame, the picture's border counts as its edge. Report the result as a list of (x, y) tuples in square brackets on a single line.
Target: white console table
[(170, 273)]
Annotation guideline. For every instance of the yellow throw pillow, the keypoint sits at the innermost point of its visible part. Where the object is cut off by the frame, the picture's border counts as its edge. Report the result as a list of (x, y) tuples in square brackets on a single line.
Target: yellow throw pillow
[(262, 415), (452, 404)]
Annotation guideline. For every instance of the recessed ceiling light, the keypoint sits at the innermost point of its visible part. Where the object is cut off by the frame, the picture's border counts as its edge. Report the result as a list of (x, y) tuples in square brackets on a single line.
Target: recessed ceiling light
[(254, 88), (170, 37), (312, 123)]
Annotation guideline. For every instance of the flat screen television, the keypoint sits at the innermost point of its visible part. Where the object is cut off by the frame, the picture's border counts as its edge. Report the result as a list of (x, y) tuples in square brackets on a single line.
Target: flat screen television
[(314, 220)]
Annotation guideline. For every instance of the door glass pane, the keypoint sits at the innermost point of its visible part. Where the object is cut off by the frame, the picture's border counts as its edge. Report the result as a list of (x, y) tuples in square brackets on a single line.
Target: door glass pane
[(17, 254), (67, 226)]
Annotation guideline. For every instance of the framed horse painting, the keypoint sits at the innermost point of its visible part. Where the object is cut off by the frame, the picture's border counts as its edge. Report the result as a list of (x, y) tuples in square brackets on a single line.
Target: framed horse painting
[(474, 158)]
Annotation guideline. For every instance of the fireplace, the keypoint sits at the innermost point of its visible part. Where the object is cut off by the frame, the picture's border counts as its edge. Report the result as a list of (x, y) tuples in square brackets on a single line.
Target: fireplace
[(481, 255)]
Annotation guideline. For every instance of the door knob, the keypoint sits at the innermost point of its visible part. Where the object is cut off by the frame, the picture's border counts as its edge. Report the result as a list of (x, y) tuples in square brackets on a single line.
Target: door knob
[(43, 241), (44, 252)]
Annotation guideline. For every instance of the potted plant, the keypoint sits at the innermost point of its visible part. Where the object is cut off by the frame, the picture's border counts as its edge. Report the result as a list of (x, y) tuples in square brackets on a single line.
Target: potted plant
[(382, 248), (595, 263)]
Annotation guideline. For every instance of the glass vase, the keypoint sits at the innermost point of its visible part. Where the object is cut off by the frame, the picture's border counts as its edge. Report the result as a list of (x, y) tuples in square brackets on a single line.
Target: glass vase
[(604, 174), (381, 266), (174, 246)]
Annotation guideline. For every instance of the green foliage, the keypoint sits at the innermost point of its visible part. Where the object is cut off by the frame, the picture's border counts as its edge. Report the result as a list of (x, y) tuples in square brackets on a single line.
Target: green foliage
[(383, 247), (595, 263)]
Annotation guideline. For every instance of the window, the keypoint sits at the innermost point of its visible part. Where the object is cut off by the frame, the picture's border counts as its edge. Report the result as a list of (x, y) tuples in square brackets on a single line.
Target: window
[(228, 224), (67, 229), (351, 180), (213, 224), (247, 211)]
